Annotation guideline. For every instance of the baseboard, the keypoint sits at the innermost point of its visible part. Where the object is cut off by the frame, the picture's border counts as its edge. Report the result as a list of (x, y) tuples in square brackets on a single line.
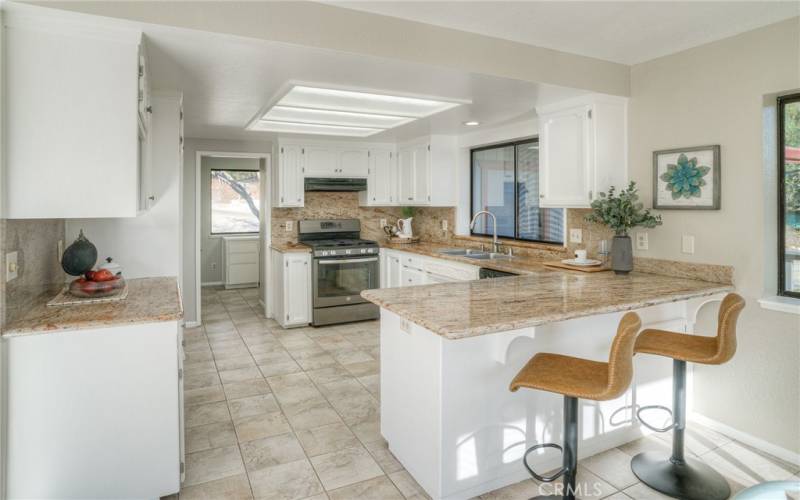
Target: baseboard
[(212, 283), (748, 439), (191, 324)]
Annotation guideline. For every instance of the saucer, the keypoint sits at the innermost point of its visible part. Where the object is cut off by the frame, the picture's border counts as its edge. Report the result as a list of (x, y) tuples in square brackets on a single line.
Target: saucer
[(581, 263)]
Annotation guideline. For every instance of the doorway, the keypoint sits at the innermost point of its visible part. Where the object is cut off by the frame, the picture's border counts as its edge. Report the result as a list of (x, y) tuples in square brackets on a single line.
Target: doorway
[(232, 232)]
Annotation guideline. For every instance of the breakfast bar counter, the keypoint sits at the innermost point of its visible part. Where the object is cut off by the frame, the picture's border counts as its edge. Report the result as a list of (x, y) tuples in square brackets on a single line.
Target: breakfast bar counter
[(450, 350)]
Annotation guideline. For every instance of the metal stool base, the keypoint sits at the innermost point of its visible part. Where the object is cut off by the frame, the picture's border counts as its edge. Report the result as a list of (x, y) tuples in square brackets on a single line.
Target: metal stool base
[(688, 480)]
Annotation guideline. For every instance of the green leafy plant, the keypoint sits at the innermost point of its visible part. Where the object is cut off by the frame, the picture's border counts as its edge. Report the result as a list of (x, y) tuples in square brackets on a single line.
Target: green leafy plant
[(407, 212), (622, 211)]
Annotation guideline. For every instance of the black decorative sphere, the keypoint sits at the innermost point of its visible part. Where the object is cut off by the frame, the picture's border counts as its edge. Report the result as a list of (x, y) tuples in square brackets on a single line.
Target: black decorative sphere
[(79, 257)]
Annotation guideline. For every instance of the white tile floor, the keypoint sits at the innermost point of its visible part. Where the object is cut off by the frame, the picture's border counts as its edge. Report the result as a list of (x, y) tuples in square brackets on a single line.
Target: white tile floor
[(294, 414)]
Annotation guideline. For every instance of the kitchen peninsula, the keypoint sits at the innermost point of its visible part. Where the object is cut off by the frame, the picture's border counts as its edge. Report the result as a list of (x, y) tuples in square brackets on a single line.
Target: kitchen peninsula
[(449, 351)]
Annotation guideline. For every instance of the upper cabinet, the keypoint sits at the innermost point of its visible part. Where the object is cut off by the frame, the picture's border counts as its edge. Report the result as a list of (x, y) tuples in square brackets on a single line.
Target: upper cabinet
[(424, 163), (288, 181), (76, 137), (335, 160), (381, 179), (583, 150)]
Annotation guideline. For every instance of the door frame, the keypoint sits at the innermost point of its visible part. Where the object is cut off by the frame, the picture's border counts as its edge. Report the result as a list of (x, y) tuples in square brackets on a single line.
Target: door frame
[(265, 223)]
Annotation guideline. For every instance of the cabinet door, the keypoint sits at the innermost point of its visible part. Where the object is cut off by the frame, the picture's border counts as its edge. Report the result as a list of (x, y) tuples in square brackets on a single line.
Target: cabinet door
[(290, 170), (321, 161), (412, 277), (379, 175), (422, 175), (405, 175), (393, 271), (565, 175), (297, 288), (353, 162)]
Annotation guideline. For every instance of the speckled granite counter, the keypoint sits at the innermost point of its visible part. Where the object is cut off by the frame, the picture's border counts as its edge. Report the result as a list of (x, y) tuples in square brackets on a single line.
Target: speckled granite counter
[(149, 300), (468, 309), (290, 247)]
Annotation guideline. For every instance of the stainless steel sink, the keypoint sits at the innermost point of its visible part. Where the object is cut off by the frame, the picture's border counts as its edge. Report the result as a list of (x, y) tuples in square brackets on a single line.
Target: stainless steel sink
[(488, 256), (458, 251)]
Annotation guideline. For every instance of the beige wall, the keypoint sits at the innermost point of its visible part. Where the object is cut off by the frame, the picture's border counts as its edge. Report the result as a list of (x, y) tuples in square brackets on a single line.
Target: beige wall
[(714, 94)]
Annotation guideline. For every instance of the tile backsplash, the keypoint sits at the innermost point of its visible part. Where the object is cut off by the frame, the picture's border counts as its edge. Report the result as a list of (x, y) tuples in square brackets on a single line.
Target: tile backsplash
[(39, 269)]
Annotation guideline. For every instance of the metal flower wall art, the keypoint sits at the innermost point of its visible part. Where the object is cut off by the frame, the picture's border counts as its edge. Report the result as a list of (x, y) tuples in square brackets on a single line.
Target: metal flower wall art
[(686, 178)]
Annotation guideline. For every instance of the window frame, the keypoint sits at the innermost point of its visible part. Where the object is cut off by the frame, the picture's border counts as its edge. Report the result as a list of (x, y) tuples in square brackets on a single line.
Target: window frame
[(782, 101), (516, 237), (211, 232)]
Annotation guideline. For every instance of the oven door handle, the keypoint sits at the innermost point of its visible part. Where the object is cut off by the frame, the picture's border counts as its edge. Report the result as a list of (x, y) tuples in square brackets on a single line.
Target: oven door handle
[(348, 261)]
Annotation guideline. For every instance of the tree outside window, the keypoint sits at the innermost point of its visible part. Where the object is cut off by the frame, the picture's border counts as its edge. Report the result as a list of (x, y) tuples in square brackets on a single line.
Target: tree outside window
[(235, 196)]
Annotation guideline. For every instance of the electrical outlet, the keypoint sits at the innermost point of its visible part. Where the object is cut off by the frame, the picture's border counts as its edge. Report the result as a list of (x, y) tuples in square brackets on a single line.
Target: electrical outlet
[(641, 241), (289, 225), (11, 266), (383, 223), (687, 243), (444, 224), (575, 236)]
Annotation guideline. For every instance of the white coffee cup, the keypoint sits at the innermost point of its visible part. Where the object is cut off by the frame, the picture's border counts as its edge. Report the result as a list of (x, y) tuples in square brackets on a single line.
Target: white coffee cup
[(580, 255)]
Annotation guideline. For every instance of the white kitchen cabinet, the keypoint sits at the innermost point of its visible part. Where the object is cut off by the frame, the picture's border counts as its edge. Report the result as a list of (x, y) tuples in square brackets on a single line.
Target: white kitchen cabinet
[(74, 147), (408, 269), (583, 150), (241, 261), (392, 271), (288, 182), (292, 288), (381, 179), (412, 277), (424, 163), (95, 413), (353, 162), (320, 160)]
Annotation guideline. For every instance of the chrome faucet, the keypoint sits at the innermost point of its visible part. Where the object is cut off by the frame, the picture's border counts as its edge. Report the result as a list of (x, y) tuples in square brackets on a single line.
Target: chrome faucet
[(495, 243)]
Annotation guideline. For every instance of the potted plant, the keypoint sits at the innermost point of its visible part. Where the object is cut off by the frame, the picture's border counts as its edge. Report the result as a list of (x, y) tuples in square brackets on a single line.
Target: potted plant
[(621, 212)]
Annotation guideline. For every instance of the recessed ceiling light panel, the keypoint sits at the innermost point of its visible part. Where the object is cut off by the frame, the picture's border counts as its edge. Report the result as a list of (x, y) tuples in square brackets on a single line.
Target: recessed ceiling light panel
[(311, 110), (472, 123), (312, 128)]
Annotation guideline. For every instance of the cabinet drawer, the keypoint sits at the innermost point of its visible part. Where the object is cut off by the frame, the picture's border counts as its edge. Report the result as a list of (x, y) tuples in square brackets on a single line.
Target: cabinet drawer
[(454, 271), (242, 258), (242, 273), (245, 246), (412, 261)]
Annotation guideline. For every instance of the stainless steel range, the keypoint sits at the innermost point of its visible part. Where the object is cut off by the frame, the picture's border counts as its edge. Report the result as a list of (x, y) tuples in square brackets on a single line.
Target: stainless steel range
[(343, 266)]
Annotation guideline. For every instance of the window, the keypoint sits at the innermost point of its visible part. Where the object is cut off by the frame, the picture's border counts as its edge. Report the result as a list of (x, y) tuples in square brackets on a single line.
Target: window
[(505, 182), (235, 197), (789, 195)]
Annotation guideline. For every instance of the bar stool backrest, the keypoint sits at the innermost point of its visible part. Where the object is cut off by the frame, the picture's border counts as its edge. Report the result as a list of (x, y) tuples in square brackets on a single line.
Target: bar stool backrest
[(729, 311), (620, 359)]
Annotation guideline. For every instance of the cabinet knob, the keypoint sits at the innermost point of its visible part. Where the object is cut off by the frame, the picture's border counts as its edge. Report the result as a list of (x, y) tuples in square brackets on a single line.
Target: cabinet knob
[(541, 196), (410, 198), (149, 109), (151, 198)]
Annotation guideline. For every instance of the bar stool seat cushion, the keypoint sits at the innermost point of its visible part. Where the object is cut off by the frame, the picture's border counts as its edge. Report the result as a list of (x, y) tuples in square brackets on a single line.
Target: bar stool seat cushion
[(680, 346), (574, 377)]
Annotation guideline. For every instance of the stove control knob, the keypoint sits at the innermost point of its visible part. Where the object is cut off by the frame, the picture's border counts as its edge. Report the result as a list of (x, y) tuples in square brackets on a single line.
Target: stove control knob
[(324, 253), (370, 250), (348, 252), (363, 250)]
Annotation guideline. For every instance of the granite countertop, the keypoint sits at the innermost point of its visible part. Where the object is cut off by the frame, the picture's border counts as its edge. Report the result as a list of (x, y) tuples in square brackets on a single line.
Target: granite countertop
[(538, 296), (149, 300), (517, 265), (290, 247)]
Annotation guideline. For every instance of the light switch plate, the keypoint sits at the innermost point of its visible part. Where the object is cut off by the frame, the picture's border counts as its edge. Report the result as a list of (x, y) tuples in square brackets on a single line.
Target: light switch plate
[(289, 225), (383, 223), (11, 266), (641, 241), (576, 236), (687, 243), (444, 224)]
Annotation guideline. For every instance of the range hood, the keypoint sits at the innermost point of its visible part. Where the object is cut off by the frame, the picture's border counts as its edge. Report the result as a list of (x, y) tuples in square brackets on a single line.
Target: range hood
[(335, 184)]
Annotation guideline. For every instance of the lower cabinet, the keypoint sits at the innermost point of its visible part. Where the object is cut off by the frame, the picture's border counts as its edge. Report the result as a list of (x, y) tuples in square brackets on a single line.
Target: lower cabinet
[(95, 413), (291, 288), (409, 269), (241, 261)]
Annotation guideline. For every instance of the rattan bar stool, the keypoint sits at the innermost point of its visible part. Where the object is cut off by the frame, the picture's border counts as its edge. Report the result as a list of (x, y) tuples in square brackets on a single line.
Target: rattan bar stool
[(576, 378), (676, 475)]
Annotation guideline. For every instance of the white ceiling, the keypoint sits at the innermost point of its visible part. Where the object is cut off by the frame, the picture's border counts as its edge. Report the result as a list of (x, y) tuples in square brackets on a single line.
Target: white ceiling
[(625, 32), (226, 81)]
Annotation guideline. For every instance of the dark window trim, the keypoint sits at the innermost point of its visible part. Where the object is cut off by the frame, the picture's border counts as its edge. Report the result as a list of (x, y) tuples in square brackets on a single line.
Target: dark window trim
[(211, 208), (516, 237), (782, 101)]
